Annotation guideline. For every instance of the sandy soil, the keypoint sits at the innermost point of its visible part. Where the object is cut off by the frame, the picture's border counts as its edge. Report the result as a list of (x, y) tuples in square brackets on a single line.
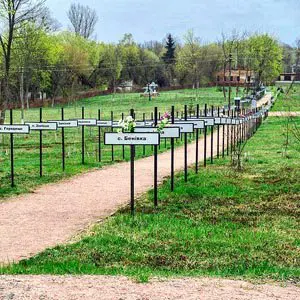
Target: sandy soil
[(120, 288), (284, 114)]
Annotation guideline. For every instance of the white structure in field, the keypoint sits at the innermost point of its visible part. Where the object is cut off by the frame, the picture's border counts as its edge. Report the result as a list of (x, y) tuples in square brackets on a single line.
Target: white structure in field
[(150, 90)]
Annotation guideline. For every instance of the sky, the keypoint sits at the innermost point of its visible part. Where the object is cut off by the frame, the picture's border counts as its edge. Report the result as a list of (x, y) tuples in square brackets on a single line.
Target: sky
[(152, 19)]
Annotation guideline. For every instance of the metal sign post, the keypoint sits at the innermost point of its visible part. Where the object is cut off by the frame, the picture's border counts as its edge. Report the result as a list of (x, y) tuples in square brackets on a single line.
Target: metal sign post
[(197, 142), (131, 139), (185, 148), (112, 129), (64, 124), (63, 141), (170, 132), (218, 136), (12, 171), (99, 137), (155, 162), (212, 139), (41, 127), (82, 138), (11, 130), (172, 151), (41, 143), (223, 137), (205, 135)]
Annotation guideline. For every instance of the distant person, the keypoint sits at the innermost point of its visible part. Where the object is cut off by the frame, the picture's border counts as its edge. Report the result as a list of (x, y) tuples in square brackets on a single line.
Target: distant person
[(253, 103)]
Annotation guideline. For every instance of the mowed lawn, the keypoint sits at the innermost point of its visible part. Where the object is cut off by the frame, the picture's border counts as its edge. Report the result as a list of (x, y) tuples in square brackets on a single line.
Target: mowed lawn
[(27, 146), (221, 223), (290, 102)]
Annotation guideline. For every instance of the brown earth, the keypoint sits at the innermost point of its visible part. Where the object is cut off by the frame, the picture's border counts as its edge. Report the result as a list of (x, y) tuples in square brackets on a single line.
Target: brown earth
[(120, 288)]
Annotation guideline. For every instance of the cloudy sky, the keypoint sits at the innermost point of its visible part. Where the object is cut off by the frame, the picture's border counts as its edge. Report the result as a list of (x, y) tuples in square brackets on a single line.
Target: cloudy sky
[(152, 19)]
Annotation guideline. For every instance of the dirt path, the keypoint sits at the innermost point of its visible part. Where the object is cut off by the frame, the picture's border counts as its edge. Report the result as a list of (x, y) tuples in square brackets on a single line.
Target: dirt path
[(120, 288), (284, 114), (56, 212)]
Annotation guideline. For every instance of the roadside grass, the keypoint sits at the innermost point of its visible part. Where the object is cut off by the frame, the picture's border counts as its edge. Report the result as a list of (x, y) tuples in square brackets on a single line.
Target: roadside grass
[(289, 103), (27, 146), (221, 223)]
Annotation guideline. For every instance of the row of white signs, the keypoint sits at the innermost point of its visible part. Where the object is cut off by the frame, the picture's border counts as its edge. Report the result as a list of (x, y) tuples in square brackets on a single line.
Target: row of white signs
[(185, 126)]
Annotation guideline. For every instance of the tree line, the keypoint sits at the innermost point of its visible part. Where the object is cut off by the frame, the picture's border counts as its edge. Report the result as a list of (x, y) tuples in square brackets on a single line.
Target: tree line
[(37, 57)]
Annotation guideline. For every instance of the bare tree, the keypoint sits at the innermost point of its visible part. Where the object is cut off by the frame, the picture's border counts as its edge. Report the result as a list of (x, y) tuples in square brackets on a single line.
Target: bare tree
[(83, 19), (13, 14)]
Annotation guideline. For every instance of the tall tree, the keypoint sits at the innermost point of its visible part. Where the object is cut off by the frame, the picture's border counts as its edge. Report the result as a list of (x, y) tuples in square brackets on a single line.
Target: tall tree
[(83, 19), (169, 56), (266, 55), (13, 14)]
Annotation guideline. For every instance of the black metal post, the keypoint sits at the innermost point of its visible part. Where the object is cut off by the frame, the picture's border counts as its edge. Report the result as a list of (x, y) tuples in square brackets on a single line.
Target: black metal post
[(41, 144), (197, 142), (112, 129), (218, 136), (223, 136), (227, 148), (205, 135), (144, 146), (123, 146), (132, 155), (82, 137), (155, 161), (172, 152), (99, 137), (63, 141), (212, 139), (12, 169), (185, 148)]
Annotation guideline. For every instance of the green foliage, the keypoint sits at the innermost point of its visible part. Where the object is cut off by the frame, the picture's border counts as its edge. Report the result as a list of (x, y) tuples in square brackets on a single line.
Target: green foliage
[(169, 56), (266, 55)]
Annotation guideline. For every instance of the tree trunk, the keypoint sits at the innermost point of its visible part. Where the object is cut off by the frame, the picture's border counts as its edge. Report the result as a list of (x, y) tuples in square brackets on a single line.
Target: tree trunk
[(27, 96), (22, 96)]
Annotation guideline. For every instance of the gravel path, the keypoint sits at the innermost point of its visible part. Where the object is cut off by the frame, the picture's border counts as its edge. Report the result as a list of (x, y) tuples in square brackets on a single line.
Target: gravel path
[(54, 213), (120, 288), (284, 114)]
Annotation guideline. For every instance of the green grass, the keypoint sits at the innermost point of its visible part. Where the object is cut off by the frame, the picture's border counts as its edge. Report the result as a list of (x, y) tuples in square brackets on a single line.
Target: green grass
[(221, 223), (27, 147), (290, 102)]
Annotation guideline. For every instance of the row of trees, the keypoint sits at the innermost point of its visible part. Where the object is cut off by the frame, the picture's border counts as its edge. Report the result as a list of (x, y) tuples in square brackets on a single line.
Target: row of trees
[(37, 57)]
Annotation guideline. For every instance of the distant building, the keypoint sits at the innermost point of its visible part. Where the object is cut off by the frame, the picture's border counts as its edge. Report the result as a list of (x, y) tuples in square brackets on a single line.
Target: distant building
[(126, 86), (235, 78), (288, 78)]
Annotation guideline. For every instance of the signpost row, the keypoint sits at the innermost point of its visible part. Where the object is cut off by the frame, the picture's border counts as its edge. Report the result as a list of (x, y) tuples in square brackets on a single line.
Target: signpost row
[(177, 127)]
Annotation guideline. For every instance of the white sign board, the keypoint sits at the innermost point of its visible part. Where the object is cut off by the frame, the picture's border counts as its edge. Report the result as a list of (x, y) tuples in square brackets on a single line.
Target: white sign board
[(144, 123), (42, 126), (208, 121), (67, 123), (108, 124), (115, 138), (184, 127), (167, 132), (87, 122), (20, 129), (228, 121), (104, 123), (218, 121), (198, 124)]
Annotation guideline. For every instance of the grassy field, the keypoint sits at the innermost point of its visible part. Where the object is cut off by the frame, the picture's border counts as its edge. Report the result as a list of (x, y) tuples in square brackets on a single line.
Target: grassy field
[(27, 147), (290, 102), (221, 223)]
